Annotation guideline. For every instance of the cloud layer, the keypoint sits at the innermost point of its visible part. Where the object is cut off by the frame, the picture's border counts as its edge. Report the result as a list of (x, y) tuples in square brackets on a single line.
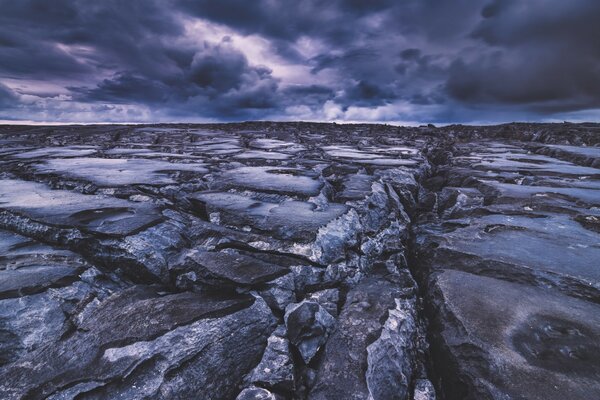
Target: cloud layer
[(355, 60)]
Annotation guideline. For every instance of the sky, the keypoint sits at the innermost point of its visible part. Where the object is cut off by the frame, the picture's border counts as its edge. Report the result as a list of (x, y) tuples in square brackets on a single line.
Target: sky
[(390, 61)]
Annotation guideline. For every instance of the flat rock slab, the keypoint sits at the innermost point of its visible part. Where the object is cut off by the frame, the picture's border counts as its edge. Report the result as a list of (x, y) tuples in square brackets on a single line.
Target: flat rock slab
[(504, 340), (117, 171), (15, 250), (392, 157), (295, 220), (278, 180), (91, 213), (356, 187), (228, 268), (580, 150), (276, 144), (511, 192), (59, 152), (554, 243), (218, 146), (529, 163), (261, 155)]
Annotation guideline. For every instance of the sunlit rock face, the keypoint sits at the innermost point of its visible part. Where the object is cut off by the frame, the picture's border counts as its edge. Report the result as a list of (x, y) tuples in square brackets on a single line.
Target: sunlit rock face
[(300, 261)]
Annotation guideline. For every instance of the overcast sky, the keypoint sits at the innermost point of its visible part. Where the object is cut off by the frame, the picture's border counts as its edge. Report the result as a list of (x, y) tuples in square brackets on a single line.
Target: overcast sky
[(397, 61)]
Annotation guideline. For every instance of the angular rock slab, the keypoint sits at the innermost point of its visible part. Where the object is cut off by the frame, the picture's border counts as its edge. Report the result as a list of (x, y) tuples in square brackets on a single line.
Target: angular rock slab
[(143, 343), (495, 340), (356, 187), (261, 155), (41, 290), (373, 157)]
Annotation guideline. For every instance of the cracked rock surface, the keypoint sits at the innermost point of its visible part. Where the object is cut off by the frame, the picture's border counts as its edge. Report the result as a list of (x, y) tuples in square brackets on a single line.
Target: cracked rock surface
[(300, 261)]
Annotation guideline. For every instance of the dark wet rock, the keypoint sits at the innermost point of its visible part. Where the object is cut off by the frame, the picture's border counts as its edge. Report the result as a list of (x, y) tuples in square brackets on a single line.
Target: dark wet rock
[(308, 278), (58, 152), (43, 293), (355, 187), (554, 245), (591, 222), (379, 156), (29, 267), (31, 321), (136, 354), (333, 241), (32, 279), (143, 257), (308, 327), (504, 258)]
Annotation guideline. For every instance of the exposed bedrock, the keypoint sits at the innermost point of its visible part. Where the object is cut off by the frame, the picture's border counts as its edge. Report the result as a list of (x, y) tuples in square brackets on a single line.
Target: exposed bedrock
[(300, 261), (506, 250)]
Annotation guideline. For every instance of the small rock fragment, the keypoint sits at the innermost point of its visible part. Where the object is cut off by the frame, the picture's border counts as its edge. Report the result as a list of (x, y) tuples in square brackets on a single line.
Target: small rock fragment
[(309, 325), (276, 369), (424, 390), (256, 393)]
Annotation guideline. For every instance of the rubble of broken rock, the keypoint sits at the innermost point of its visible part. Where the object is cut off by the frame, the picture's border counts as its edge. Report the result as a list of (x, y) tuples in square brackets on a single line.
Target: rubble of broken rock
[(300, 261)]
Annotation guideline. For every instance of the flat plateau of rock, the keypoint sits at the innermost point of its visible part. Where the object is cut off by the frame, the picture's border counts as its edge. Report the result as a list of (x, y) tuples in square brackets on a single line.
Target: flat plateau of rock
[(300, 261)]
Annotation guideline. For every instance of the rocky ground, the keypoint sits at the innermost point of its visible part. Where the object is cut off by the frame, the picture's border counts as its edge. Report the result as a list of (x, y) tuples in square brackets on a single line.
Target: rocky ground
[(300, 261)]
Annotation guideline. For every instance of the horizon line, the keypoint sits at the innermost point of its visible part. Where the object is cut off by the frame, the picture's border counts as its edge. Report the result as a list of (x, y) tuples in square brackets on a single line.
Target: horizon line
[(407, 124)]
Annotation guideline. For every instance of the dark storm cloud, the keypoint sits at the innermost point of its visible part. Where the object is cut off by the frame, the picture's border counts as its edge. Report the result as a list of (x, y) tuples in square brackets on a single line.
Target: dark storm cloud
[(544, 56), (119, 32), (214, 71), (432, 60), (288, 20)]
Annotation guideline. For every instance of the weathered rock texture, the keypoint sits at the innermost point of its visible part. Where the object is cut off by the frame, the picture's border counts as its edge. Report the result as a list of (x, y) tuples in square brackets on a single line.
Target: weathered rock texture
[(300, 261)]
